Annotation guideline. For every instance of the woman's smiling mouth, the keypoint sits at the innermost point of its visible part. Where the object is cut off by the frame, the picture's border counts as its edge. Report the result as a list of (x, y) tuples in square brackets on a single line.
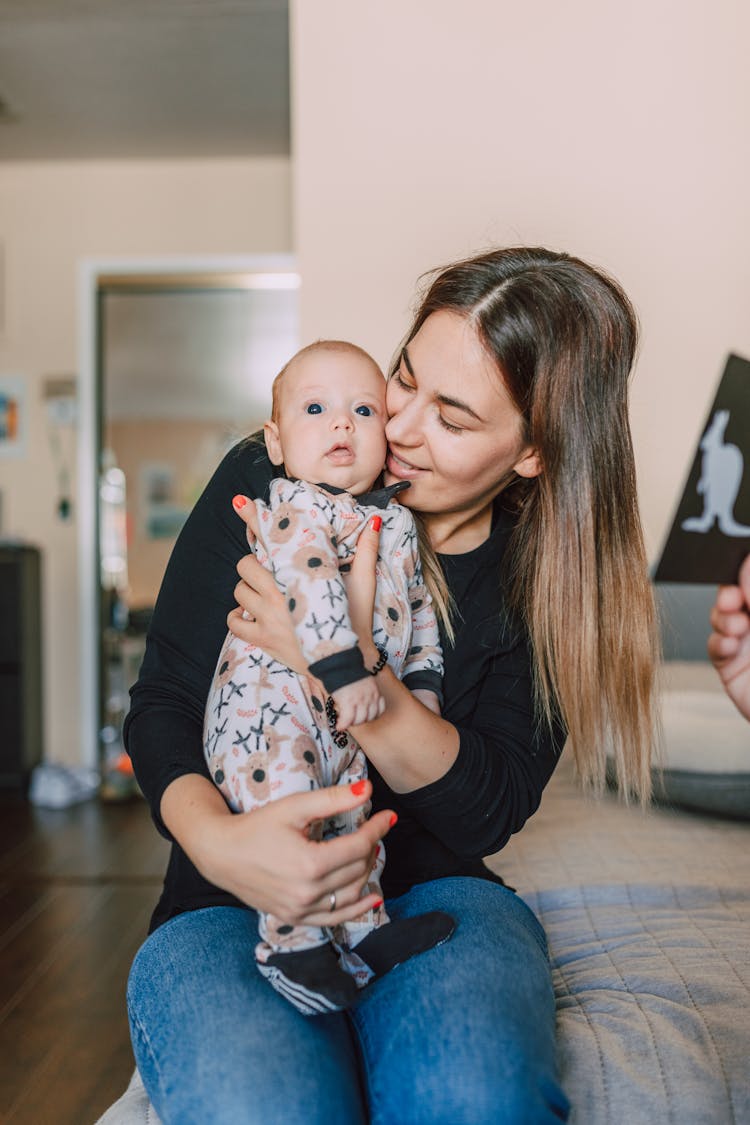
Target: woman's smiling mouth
[(401, 468)]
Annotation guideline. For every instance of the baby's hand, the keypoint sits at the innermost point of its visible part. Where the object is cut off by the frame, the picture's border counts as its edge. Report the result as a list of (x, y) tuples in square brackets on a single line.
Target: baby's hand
[(360, 702)]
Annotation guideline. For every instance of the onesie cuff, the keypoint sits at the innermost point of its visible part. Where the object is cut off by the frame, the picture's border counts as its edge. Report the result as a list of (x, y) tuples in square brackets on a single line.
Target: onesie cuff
[(425, 679), (340, 669)]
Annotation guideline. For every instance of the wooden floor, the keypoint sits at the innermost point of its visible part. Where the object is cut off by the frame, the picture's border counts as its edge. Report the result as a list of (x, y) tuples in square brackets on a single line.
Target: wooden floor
[(77, 887)]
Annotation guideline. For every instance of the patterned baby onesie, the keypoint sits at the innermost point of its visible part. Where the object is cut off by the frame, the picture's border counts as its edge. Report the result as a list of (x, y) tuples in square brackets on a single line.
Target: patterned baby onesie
[(265, 731)]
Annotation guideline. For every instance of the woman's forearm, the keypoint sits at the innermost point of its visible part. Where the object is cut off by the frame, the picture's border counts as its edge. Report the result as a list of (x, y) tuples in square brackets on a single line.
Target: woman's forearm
[(409, 745), (190, 807)]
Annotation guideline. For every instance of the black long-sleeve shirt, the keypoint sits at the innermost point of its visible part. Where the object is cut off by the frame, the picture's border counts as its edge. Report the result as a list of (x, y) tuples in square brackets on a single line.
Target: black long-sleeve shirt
[(505, 755)]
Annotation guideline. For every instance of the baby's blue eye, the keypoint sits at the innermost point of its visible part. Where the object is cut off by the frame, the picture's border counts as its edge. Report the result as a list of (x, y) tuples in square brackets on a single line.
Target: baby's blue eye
[(365, 411), (315, 408)]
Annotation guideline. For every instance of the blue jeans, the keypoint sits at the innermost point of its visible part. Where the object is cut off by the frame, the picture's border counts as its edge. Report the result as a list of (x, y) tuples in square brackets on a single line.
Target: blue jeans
[(461, 1034)]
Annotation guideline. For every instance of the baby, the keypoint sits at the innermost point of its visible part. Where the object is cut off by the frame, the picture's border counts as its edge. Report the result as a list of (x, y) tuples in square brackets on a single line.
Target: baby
[(267, 730)]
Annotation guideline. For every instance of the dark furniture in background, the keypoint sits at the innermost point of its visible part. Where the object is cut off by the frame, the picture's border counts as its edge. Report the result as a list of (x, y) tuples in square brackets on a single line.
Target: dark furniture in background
[(20, 664)]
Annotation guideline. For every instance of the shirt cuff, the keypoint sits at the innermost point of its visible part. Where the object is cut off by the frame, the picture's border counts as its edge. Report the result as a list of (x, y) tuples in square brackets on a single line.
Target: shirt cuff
[(425, 679)]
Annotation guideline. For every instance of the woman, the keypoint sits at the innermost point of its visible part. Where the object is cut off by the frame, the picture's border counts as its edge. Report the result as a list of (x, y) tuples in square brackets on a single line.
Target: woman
[(508, 405)]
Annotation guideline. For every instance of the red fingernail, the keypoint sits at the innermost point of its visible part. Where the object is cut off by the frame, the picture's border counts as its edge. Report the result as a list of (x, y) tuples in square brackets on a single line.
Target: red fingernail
[(358, 788), (393, 820), (377, 905), (239, 502), (376, 523)]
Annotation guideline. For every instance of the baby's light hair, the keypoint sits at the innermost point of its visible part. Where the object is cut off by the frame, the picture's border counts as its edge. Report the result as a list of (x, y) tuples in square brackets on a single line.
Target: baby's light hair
[(309, 349)]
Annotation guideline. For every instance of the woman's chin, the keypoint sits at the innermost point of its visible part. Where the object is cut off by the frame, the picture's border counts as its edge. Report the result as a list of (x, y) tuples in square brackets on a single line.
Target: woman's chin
[(406, 496)]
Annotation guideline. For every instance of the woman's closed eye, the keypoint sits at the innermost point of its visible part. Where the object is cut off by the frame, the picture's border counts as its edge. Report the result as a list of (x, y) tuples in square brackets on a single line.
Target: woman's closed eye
[(401, 382), (449, 426)]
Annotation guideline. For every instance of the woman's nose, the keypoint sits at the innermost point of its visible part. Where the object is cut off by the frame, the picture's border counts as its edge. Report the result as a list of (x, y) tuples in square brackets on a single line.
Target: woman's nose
[(403, 426)]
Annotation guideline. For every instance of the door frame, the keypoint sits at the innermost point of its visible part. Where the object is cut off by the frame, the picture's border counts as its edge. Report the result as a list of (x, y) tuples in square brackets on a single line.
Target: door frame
[(247, 271)]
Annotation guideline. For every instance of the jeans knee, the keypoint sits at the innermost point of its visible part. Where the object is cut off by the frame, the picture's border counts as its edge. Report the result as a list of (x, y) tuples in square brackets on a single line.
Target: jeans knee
[(532, 1099), (513, 1095)]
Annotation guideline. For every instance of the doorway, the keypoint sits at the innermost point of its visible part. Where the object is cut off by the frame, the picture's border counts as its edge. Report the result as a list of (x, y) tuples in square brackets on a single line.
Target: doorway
[(179, 358)]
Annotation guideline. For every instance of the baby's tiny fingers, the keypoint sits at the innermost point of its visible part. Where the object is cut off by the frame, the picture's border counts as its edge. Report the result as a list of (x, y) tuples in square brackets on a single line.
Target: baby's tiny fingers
[(344, 719)]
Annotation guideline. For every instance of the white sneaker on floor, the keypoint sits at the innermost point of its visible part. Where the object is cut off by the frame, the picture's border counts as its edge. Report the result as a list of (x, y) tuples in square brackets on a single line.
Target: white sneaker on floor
[(58, 787)]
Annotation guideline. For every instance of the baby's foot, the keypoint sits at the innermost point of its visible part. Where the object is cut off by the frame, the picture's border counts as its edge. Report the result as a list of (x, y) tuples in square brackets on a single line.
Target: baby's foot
[(311, 979), (397, 941)]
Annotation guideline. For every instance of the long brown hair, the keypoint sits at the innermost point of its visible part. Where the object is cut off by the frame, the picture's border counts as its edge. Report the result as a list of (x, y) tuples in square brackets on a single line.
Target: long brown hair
[(563, 336)]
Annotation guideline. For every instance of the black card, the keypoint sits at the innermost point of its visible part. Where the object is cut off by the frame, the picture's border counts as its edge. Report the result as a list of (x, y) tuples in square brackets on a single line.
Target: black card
[(710, 534)]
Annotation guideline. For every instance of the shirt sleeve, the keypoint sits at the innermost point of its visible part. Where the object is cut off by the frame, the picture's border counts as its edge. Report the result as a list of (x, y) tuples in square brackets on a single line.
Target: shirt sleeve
[(506, 756), (163, 731)]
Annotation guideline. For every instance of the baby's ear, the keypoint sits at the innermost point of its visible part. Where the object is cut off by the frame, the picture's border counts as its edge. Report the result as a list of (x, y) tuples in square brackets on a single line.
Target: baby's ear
[(273, 443)]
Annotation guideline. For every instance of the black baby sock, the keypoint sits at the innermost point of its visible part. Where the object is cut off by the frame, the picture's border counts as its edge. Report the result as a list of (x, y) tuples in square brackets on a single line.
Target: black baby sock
[(311, 979), (390, 945)]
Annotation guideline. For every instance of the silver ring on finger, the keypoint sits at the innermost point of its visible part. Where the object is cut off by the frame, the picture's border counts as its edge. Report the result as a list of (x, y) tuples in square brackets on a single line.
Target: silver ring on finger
[(332, 901)]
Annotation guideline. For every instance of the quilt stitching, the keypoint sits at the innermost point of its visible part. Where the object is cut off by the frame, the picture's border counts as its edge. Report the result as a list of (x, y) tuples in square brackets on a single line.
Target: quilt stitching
[(696, 1007)]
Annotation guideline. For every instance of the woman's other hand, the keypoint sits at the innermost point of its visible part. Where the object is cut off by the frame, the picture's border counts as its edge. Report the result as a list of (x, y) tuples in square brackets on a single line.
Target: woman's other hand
[(248, 513), (729, 643), (266, 857)]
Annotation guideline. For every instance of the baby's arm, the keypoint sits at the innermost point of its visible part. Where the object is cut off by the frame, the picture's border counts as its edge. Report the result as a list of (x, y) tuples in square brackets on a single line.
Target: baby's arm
[(423, 668), (298, 533)]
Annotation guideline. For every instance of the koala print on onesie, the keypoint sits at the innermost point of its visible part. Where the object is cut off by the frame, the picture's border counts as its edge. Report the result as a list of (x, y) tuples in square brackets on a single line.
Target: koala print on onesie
[(266, 733)]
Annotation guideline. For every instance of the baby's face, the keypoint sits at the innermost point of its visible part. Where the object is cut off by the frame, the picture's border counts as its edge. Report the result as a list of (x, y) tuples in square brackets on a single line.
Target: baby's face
[(331, 426)]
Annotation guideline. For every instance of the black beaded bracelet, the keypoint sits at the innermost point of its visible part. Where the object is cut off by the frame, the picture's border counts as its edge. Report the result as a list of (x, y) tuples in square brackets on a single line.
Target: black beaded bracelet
[(338, 736), (380, 663)]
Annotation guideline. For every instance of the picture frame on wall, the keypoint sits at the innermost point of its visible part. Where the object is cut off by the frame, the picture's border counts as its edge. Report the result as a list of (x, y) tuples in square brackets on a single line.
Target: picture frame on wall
[(13, 415), (163, 514)]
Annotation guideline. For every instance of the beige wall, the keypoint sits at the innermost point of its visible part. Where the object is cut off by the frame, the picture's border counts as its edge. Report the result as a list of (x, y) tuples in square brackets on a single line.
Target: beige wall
[(426, 130), (422, 131), (52, 216)]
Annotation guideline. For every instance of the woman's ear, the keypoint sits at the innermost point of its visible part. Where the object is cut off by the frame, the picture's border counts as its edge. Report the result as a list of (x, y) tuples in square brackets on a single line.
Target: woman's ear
[(530, 464), (273, 443)]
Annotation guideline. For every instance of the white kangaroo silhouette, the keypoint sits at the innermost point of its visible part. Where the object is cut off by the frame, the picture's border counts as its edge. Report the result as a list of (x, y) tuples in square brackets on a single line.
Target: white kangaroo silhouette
[(721, 476)]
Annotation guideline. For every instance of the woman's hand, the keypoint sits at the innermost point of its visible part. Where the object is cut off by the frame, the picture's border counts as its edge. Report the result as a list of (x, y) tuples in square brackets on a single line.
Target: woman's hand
[(262, 618), (729, 644), (266, 858)]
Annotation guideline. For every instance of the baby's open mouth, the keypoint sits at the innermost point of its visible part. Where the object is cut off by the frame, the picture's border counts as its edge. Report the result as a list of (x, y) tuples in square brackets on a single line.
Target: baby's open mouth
[(340, 453)]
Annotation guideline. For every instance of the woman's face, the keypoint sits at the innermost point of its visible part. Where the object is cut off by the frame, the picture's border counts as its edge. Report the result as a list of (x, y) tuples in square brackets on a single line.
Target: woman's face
[(454, 431)]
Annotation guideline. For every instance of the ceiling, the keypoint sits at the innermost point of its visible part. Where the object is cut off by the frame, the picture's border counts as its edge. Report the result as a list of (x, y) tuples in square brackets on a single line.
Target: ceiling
[(100, 79)]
